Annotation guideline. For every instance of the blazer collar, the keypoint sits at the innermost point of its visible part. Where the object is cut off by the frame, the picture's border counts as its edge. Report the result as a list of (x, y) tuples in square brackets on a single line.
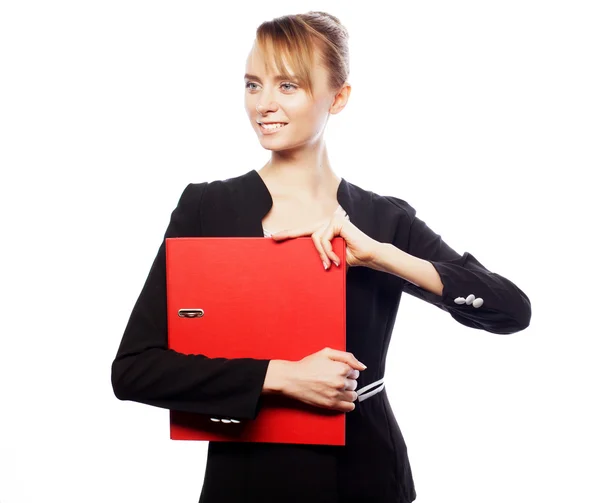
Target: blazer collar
[(252, 200)]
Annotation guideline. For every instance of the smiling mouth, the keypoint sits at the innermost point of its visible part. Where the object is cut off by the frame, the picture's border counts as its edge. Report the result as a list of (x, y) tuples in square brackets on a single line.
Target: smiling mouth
[(272, 127)]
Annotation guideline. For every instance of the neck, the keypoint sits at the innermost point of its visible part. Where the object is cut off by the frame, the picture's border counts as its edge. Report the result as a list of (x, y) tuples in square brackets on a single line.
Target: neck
[(307, 178)]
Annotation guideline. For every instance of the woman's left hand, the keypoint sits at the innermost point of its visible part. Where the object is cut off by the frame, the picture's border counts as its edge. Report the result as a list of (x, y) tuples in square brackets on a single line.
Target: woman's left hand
[(360, 248)]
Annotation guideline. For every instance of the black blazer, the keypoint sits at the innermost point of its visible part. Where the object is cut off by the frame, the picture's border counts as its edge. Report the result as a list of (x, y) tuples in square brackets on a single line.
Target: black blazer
[(373, 466)]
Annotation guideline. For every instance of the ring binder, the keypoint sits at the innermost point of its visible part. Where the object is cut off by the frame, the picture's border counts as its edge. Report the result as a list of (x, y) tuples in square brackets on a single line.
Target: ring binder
[(267, 300)]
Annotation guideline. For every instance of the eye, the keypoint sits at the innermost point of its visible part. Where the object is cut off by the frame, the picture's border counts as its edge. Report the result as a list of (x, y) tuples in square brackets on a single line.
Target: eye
[(293, 86)]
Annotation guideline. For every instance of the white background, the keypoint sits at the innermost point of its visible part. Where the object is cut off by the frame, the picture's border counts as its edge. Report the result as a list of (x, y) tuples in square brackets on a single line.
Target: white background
[(482, 115)]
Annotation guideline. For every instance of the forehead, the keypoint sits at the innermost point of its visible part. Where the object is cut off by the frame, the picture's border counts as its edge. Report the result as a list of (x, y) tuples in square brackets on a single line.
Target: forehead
[(264, 65)]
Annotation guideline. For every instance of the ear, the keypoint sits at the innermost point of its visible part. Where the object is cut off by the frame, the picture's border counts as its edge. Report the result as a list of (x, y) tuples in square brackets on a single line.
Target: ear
[(341, 99)]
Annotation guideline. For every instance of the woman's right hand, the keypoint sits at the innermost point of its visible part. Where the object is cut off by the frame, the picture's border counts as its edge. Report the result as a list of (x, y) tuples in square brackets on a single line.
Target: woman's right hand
[(325, 379)]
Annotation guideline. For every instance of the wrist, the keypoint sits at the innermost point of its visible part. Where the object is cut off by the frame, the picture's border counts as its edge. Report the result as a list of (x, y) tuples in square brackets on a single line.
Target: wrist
[(381, 256), (277, 377)]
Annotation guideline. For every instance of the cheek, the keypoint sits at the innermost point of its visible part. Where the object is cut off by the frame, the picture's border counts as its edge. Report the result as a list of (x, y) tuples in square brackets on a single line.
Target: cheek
[(303, 116)]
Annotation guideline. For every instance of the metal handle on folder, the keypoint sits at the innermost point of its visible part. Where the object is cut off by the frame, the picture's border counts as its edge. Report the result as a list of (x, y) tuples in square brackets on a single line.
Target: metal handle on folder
[(190, 313)]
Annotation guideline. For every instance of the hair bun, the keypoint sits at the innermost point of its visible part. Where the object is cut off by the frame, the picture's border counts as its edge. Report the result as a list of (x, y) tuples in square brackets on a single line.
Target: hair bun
[(327, 15)]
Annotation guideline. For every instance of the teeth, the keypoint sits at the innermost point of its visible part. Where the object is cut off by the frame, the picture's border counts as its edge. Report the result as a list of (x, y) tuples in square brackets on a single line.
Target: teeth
[(273, 126)]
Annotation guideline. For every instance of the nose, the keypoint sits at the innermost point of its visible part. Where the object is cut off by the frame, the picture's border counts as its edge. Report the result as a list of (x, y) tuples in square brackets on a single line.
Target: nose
[(265, 102), (268, 106)]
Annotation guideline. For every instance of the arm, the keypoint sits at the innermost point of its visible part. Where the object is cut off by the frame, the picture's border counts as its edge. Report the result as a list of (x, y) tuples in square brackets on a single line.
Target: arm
[(419, 272), (146, 371), (437, 274)]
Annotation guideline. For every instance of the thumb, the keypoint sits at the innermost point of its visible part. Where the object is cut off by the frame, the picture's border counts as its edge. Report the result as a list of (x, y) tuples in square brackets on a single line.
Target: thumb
[(344, 356)]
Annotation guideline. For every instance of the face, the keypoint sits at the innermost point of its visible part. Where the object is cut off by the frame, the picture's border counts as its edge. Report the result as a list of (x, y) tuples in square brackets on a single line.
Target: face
[(272, 99)]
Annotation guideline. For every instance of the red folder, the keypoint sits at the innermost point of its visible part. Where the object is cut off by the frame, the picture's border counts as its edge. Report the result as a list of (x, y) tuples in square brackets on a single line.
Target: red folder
[(238, 297)]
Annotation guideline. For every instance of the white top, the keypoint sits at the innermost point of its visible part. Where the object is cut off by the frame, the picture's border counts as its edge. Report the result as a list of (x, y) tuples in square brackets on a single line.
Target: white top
[(339, 209)]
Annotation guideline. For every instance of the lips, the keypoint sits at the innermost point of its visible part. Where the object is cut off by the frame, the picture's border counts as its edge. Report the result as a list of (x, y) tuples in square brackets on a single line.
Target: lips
[(272, 129)]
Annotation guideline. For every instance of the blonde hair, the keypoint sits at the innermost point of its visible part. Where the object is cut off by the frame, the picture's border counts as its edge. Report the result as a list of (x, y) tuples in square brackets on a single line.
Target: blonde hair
[(295, 38)]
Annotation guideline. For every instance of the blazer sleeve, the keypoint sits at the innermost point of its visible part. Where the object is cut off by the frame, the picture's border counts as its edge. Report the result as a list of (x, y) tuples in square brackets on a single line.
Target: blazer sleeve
[(471, 294), (146, 371)]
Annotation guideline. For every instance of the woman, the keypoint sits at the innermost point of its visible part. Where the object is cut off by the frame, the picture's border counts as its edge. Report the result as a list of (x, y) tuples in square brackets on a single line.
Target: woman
[(296, 76)]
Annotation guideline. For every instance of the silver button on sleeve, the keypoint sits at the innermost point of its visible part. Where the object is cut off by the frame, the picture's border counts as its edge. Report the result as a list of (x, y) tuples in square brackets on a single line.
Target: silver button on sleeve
[(478, 302)]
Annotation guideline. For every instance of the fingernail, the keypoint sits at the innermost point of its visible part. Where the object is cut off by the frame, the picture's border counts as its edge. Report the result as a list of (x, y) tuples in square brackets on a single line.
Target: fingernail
[(325, 265), (336, 263), (363, 365)]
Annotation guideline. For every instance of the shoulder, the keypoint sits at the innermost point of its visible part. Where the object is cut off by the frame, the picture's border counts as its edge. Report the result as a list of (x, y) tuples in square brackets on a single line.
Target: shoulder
[(400, 215), (190, 198), (215, 198), (193, 191), (386, 218), (383, 205), (400, 206), (196, 192)]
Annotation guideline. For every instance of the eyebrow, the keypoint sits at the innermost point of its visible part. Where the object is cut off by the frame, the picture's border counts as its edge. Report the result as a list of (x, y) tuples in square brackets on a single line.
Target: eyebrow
[(276, 77)]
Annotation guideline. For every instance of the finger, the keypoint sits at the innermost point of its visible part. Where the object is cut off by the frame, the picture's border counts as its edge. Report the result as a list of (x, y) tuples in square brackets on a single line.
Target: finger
[(344, 406), (353, 374), (333, 229), (295, 233), (316, 238), (348, 396), (345, 357), (344, 401), (350, 385)]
